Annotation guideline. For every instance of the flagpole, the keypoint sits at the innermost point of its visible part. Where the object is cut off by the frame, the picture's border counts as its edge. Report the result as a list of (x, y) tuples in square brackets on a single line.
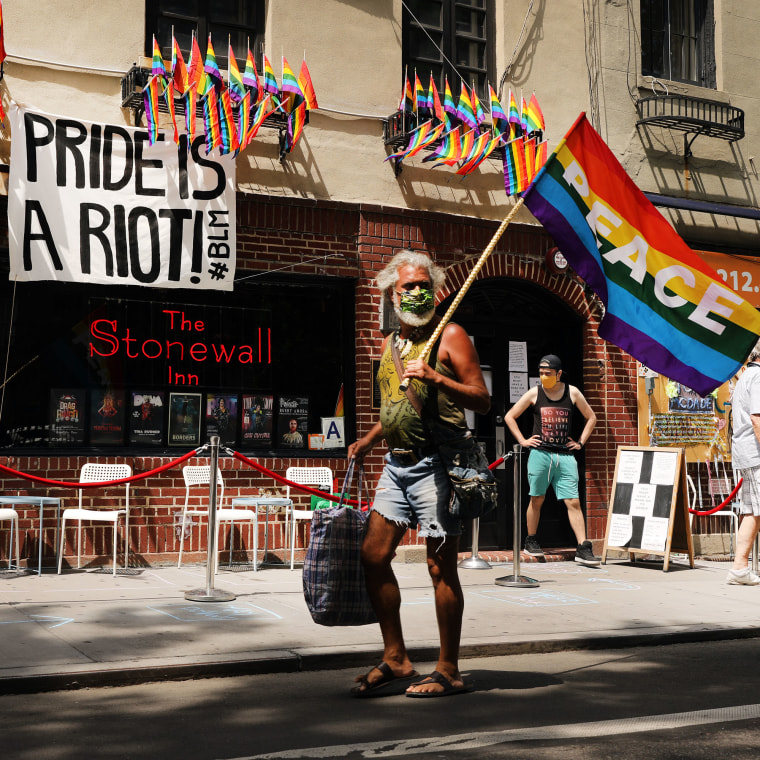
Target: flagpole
[(465, 287)]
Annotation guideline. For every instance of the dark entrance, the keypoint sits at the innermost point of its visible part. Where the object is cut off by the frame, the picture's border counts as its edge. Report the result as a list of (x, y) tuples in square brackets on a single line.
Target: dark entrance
[(495, 312)]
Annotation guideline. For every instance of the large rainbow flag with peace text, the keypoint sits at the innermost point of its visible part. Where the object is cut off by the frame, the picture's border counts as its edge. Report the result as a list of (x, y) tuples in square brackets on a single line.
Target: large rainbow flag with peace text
[(663, 304)]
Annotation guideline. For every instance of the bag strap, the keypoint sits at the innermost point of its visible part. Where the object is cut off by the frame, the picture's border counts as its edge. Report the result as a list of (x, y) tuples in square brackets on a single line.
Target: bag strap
[(347, 483), (411, 394)]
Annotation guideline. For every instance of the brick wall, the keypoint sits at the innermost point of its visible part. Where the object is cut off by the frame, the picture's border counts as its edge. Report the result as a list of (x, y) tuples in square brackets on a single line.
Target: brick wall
[(339, 240)]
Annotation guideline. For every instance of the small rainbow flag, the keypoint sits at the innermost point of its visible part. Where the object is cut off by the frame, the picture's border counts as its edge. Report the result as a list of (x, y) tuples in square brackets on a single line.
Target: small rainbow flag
[(179, 70), (265, 107), (159, 68), (227, 126), (477, 109), (517, 149), (510, 172), (499, 118), (420, 98), (514, 111), (291, 86), (304, 79), (270, 81), (435, 100), (195, 67), (449, 151), (151, 93), (406, 105), (662, 304), (251, 76), (235, 81), (530, 159), (524, 117), (169, 99), (542, 153), (210, 66), (534, 116), (190, 97), (296, 121), (244, 121), (473, 159), (465, 114), (448, 100), (211, 120), (422, 136)]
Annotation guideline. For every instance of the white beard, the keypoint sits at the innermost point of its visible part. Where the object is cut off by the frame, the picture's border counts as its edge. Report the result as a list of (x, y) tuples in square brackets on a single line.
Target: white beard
[(413, 320)]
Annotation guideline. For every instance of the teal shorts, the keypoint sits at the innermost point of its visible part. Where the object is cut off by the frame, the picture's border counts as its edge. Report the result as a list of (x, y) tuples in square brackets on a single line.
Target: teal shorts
[(560, 471)]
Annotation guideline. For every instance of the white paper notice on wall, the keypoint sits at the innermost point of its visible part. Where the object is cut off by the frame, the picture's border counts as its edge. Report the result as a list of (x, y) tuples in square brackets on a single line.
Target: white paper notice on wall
[(518, 384), (333, 430), (518, 356)]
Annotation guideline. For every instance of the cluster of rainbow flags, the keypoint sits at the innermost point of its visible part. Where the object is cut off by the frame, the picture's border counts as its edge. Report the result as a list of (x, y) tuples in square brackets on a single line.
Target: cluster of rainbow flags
[(464, 136), (253, 96)]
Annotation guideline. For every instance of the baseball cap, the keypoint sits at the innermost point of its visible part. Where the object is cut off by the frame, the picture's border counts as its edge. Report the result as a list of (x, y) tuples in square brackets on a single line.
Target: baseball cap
[(551, 361)]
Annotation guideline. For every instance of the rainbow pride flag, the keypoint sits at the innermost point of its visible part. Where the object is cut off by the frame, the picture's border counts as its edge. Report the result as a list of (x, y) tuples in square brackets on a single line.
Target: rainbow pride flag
[(663, 304), (211, 67), (265, 107), (151, 93), (158, 68), (296, 121), (514, 111), (211, 121), (169, 98), (420, 98), (251, 76), (179, 70), (307, 86), (426, 134), (491, 143), (291, 86), (235, 81), (435, 99), (534, 116), (227, 126), (449, 106), (499, 118), (269, 80), (195, 72), (449, 151), (406, 104), (465, 113)]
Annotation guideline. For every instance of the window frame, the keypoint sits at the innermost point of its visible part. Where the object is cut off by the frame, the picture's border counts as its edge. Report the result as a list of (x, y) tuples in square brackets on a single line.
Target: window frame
[(154, 14), (449, 36), (704, 41)]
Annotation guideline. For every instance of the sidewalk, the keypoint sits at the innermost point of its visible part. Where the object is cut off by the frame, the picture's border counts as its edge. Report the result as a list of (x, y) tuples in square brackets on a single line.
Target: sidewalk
[(91, 629)]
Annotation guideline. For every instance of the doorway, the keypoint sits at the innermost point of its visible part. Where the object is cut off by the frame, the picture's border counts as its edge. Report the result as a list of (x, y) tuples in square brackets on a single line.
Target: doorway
[(495, 312)]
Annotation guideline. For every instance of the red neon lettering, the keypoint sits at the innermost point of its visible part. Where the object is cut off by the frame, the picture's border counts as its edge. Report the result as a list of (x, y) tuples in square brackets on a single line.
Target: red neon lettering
[(95, 332)]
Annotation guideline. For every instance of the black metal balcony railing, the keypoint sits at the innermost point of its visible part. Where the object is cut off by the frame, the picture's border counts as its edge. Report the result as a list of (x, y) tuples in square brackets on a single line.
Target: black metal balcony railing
[(692, 115)]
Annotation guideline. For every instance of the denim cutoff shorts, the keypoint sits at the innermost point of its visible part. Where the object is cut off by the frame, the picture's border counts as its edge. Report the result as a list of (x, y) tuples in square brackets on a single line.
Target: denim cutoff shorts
[(417, 495), (560, 471)]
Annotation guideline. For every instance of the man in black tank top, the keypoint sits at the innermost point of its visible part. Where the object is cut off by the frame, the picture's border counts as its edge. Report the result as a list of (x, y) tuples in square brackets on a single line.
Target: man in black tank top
[(551, 460)]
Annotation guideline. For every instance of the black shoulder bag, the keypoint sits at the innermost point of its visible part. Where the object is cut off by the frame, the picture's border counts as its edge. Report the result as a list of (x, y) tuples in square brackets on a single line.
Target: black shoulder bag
[(474, 490)]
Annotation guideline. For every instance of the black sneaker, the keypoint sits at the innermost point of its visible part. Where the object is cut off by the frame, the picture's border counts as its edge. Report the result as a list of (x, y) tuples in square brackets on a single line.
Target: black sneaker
[(532, 547), (585, 556)]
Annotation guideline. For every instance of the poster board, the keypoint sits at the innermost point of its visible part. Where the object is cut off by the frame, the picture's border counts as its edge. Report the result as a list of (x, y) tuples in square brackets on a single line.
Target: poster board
[(648, 512)]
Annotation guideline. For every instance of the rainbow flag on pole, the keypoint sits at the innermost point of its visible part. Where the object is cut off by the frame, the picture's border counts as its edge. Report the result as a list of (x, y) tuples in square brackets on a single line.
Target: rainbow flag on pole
[(211, 67), (235, 81), (663, 304), (423, 136), (251, 76), (151, 93), (158, 68)]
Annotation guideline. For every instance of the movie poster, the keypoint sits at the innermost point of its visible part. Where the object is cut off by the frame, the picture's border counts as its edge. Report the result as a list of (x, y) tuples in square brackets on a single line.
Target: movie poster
[(67, 408), (107, 417), (146, 418), (293, 422), (221, 417), (258, 416), (185, 419)]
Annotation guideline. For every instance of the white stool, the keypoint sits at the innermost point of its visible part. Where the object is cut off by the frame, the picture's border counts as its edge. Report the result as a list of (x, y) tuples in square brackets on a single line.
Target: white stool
[(12, 515)]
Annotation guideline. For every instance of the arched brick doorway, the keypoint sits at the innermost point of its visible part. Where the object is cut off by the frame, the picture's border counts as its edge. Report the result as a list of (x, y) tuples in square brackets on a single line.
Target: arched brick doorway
[(496, 311)]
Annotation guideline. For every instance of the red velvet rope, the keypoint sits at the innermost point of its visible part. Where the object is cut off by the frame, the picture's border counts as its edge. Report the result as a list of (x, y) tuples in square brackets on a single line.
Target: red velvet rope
[(130, 479), (307, 489), (708, 512)]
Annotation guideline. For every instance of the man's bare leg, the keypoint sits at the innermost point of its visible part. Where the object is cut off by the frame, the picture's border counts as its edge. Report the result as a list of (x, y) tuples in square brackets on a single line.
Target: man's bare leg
[(575, 516), (533, 514), (449, 608), (748, 529), (379, 545)]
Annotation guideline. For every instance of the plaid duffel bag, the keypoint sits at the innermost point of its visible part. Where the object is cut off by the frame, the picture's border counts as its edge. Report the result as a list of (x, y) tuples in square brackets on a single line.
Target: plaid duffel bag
[(333, 577)]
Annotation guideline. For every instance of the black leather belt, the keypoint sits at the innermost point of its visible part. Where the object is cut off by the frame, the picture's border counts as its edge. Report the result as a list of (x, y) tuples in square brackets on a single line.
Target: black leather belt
[(409, 457)]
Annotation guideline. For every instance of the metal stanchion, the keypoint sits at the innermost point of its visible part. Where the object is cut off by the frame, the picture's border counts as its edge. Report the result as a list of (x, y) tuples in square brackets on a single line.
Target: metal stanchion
[(517, 580), (211, 594), (474, 562)]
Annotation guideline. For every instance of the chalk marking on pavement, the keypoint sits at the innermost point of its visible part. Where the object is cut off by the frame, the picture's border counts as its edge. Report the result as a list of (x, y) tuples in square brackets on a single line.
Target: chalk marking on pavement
[(536, 598), (475, 740), (195, 612), (41, 619), (158, 577), (268, 612), (615, 585)]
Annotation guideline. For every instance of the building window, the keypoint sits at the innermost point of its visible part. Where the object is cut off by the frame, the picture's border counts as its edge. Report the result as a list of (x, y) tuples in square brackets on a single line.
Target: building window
[(82, 376), (240, 21), (450, 38), (678, 40)]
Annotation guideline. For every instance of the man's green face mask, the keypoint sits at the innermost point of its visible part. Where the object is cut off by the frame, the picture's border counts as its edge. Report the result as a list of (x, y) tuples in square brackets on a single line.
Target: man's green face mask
[(417, 301)]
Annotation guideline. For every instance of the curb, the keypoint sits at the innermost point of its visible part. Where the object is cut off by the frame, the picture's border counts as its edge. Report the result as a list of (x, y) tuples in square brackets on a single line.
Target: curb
[(309, 660)]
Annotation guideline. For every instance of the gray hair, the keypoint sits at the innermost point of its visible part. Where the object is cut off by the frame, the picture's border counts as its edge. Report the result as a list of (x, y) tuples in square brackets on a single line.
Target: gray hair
[(755, 352), (388, 277)]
